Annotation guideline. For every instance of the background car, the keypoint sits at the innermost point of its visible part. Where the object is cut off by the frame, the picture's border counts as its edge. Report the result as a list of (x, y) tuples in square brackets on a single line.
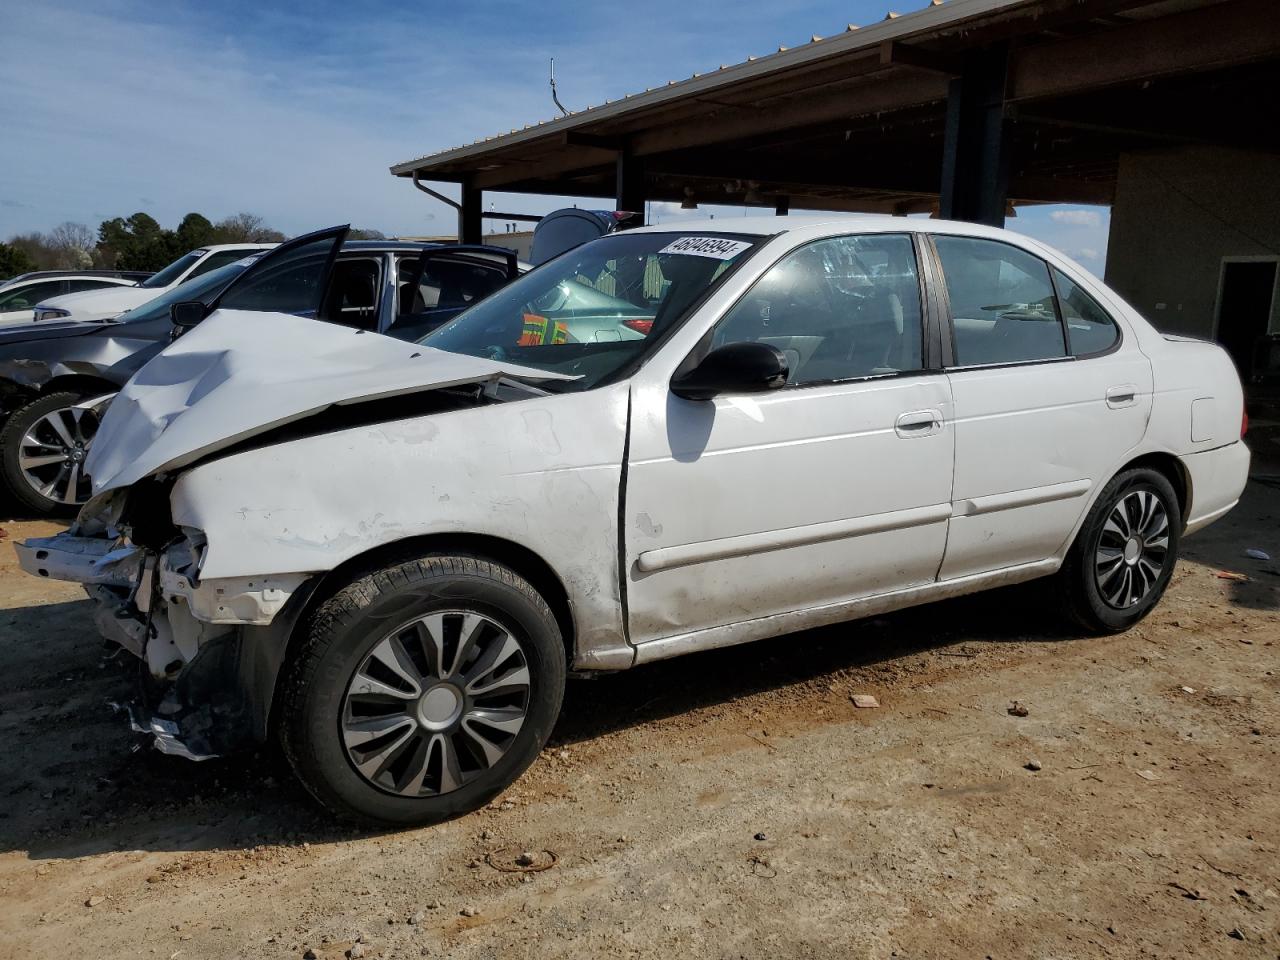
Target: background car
[(105, 304), (57, 377), (19, 296)]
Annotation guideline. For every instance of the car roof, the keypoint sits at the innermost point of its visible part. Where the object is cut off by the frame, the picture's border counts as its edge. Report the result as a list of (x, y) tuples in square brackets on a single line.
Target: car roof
[(210, 247), (766, 226)]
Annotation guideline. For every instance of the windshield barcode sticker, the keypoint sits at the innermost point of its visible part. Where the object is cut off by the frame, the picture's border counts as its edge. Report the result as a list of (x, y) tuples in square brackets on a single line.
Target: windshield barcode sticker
[(717, 248)]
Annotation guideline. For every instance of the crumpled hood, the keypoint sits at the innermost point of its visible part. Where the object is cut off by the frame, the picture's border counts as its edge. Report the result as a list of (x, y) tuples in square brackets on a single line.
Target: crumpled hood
[(241, 373), (103, 302)]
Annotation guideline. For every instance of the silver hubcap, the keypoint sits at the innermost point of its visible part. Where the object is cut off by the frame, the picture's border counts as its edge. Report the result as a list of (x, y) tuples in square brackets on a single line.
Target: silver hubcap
[(435, 703), (1133, 549), (51, 455)]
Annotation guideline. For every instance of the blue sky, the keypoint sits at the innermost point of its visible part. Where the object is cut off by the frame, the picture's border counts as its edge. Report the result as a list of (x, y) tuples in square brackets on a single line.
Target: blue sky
[(294, 111)]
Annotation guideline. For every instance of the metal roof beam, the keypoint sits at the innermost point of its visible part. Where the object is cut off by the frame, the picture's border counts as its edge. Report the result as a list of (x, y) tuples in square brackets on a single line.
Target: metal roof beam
[(1234, 32)]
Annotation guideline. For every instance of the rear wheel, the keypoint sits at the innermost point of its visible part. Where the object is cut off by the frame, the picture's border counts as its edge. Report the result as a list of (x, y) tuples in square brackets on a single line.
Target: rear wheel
[(422, 690), (1124, 555), (42, 451)]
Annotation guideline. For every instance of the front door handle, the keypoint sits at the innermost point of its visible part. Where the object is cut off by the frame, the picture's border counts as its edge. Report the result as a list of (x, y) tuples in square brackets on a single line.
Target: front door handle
[(1124, 395), (918, 423)]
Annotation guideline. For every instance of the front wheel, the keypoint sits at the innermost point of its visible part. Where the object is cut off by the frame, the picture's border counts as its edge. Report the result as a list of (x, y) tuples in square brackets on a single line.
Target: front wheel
[(43, 448), (422, 690), (1123, 558)]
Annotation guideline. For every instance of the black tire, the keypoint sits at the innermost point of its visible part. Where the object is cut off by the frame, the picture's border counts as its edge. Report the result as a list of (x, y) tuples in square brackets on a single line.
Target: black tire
[(11, 437), (1084, 599), (341, 637)]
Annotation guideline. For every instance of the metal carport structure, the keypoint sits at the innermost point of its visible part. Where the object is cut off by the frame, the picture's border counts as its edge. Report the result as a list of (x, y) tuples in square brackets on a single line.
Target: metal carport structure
[(960, 108)]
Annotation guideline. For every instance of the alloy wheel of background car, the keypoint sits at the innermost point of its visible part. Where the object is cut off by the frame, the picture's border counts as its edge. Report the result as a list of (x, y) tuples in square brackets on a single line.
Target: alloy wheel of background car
[(1133, 549), (435, 703), (1123, 557), (421, 690), (43, 447)]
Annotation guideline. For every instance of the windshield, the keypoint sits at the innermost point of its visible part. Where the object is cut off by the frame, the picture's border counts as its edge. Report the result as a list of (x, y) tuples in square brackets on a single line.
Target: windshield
[(173, 271), (597, 308), (204, 288)]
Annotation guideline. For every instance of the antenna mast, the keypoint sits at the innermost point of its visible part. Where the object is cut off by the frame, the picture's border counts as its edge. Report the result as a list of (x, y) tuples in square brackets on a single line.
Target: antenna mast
[(554, 97)]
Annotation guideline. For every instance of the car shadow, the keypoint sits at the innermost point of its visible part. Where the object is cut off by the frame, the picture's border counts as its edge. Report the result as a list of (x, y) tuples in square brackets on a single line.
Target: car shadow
[(1250, 581), (75, 782)]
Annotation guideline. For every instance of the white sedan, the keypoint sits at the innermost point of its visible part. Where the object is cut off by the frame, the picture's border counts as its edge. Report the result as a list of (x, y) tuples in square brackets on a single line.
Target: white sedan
[(108, 304), (391, 554), (19, 296)]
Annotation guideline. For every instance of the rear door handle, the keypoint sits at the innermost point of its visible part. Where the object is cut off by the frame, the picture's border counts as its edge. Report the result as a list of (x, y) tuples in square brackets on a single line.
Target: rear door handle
[(1124, 395), (918, 423)]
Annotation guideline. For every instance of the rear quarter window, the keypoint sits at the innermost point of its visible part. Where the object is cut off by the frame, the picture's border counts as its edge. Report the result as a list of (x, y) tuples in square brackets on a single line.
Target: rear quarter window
[(1090, 329)]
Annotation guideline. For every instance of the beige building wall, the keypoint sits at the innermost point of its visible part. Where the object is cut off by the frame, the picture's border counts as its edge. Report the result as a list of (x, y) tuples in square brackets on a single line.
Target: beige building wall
[(1177, 214)]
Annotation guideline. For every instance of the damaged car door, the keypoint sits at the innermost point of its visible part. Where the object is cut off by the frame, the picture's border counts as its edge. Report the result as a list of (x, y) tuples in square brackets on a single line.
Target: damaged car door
[(798, 500)]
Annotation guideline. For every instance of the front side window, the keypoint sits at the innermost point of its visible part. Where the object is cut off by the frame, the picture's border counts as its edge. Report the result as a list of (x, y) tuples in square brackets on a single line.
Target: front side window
[(596, 309), (1089, 328), (838, 309), (290, 283), (1002, 303)]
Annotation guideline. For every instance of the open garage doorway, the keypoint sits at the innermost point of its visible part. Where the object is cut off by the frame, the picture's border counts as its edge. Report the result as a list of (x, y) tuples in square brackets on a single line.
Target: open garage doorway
[(1246, 300)]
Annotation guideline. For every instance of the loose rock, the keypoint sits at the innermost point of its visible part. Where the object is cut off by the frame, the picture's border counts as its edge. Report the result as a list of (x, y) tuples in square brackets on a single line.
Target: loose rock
[(1018, 709), (471, 911), (525, 859), (1033, 765), (864, 701), (762, 836), (94, 901)]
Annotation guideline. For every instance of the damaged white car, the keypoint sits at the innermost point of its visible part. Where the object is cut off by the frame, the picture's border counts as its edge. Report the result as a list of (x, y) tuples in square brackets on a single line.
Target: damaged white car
[(390, 555)]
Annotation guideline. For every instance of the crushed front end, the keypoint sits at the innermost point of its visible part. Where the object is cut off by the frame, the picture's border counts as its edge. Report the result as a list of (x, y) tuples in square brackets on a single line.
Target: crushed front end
[(210, 649)]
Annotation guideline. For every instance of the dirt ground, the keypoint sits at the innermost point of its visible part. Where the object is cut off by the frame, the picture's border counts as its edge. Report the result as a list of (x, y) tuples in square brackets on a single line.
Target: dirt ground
[(729, 804)]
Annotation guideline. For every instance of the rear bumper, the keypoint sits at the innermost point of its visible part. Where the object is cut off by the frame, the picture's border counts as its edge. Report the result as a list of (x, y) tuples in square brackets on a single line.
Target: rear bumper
[(1218, 478)]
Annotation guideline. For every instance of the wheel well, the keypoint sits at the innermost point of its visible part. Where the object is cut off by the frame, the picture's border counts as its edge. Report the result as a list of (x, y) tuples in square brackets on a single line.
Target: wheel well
[(520, 559), (1173, 470), (79, 383)]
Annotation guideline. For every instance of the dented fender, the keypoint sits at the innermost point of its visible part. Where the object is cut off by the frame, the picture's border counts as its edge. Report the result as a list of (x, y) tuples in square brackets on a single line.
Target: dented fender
[(542, 472)]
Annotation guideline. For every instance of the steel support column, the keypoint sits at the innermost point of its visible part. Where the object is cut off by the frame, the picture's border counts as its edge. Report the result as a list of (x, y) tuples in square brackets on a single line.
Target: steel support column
[(469, 228), (630, 183), (975, 155)]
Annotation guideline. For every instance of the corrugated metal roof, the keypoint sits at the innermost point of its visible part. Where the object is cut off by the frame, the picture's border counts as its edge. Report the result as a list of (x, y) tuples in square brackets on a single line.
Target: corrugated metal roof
[(894, 26)]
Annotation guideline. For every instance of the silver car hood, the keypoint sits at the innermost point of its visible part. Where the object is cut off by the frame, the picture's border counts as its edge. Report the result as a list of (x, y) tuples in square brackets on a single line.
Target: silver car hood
[(241, 373)]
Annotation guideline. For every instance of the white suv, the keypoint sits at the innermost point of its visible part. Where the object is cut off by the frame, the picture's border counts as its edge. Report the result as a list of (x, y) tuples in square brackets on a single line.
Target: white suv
[(104, 304)]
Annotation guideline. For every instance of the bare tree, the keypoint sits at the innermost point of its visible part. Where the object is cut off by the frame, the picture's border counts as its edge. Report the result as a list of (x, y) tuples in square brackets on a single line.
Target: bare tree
[(72, 245), (246, 228)]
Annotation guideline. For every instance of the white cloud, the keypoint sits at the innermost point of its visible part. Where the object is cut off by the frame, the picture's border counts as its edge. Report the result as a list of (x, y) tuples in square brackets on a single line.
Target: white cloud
[(1076, 218), (1086, 253)]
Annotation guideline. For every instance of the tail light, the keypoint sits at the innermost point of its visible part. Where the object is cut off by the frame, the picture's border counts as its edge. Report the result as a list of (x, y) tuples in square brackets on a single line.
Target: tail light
[(1244, 423), (639, 324)]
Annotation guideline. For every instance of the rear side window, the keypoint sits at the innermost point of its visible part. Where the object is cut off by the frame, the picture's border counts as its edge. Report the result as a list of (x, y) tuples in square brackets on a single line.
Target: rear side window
[(24, 298), (219, 258), (81, 285), (1002, 303), (1089, 328)]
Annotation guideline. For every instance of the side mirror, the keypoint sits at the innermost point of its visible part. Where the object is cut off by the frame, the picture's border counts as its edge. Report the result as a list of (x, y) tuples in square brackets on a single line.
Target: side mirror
[(746, 367), (187, 313)]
